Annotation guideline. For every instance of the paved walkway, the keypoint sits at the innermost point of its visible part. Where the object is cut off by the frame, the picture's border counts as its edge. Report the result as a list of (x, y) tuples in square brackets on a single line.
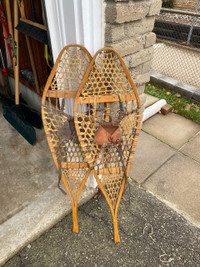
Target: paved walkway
[(160, 228)]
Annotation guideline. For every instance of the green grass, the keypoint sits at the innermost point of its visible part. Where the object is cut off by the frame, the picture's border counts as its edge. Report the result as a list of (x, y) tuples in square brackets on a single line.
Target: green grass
[(180, 105)]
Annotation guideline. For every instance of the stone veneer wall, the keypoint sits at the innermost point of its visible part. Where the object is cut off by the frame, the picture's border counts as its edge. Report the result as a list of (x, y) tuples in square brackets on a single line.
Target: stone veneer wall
[(129, 25)]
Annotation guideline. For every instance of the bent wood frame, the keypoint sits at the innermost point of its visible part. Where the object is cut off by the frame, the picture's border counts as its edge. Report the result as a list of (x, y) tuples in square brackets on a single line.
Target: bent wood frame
[(107, 99), (55, 95)]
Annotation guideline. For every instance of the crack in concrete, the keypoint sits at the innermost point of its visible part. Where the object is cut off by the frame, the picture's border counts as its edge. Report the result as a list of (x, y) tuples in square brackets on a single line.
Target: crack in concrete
[(158, 168)]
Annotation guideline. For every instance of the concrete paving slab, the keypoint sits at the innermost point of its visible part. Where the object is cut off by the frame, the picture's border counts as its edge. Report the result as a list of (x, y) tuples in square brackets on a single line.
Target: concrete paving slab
[(152, 235), (177, 183), (21, 190), (30, 202), (28, 224), (172, 129), (150, 100), (149, 155), (192, 148), (26, 171)]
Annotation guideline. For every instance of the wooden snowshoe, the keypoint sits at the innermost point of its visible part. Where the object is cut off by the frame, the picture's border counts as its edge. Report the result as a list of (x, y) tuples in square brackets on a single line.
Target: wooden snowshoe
[(108, 131), (59, 94)]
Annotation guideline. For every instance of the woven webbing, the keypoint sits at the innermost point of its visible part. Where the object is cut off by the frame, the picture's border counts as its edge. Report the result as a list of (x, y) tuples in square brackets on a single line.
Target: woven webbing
[(65, 77), (108, 77)]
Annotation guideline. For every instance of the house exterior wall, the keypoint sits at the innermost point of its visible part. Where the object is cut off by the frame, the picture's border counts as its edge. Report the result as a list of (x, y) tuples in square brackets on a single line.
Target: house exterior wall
[(128, 29), (75, 22)]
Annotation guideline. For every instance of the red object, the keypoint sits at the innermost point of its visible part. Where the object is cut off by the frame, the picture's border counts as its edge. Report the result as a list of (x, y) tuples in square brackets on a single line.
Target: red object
[(5, 72), (5, 30)]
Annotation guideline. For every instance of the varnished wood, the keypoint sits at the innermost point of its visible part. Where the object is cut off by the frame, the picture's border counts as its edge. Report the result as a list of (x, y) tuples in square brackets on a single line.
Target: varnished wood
[(30, 51), (105, 99), (16, 53), (74, 164), (73, 174), (107, 80), (35, 24), (89, 99), (93, 90), (61, 94)]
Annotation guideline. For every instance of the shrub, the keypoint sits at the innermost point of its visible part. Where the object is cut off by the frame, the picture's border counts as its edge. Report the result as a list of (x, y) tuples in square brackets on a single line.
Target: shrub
[(168, 3)]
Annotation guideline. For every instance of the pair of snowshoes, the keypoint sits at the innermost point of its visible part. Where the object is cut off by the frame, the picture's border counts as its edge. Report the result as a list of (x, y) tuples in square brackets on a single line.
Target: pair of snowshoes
[(91, 116)]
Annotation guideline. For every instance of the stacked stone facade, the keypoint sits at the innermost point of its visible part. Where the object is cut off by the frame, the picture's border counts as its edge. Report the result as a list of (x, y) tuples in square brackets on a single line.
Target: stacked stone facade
[(129, 25)]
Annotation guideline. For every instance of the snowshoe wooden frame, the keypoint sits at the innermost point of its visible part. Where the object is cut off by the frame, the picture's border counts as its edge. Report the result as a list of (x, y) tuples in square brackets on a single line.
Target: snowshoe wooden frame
[(107, 83), (63, 83)]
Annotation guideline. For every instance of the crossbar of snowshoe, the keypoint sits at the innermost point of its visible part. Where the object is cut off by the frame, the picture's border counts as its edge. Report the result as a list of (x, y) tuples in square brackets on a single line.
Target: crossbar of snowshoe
[(61, 94), (105, 98), (90, 99), (49, 96)]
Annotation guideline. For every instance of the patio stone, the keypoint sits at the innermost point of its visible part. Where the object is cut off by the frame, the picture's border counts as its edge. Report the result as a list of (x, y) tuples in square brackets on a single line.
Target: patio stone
[(192, 148), (172, 129), (38, 217), (30, 202), (177, 183), (26, 171), (149, 155), (150, 100)]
